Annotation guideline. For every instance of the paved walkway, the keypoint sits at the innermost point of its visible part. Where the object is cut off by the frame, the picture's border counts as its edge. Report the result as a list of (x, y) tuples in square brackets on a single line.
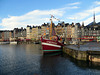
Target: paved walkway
[(88, 46)]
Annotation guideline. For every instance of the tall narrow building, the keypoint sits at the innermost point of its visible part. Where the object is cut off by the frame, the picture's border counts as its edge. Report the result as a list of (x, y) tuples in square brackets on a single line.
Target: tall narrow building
[(94, 19)]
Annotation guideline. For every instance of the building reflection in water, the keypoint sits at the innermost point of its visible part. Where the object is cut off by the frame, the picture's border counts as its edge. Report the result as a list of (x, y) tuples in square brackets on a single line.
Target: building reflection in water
[(28, 59)]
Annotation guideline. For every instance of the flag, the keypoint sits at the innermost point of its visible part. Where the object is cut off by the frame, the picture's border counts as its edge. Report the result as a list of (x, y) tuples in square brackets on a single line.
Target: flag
[(52, 16)]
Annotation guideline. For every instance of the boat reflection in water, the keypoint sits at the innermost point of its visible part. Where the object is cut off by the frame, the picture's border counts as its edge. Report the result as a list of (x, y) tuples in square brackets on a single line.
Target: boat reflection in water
[(52, 64), (27, 59), (53, 54)]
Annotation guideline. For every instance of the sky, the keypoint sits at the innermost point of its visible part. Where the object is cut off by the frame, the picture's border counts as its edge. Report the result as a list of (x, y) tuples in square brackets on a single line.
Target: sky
[(20, 13)]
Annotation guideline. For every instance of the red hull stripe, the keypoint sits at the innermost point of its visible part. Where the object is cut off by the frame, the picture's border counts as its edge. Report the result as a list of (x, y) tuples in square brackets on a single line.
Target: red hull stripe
[(52, 50), (51, 45), (47, 47)]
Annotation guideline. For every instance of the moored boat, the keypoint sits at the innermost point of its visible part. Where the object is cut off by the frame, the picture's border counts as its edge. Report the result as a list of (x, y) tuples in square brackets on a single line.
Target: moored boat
[(13, 42), (6, 42), (52, 44)]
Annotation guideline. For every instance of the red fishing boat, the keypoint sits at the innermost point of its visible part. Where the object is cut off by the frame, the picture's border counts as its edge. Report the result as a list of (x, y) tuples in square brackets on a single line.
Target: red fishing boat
[(52, 44)]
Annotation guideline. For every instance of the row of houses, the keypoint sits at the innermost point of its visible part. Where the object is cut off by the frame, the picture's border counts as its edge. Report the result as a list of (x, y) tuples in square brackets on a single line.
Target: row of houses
[(12, 35), (71, 32)]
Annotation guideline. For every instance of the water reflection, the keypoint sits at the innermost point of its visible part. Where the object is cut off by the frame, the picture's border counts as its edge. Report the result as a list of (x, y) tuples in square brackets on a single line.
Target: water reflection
[(19, 59), (83, 64), (29, 60)]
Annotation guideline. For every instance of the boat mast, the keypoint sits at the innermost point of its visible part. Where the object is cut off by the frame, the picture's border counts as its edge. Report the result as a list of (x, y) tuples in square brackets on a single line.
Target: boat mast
[(51, 28)]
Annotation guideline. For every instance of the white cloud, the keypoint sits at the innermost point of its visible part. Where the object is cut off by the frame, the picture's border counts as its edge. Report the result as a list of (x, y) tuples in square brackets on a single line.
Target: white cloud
[(97, 2), (89, 20), (96, 9), (86, 14), (76, 3), (79, 16), (35, 17), (72, 18), (67, 8)]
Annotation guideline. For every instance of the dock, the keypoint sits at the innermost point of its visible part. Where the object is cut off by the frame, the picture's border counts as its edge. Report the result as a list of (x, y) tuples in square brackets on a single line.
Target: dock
[(2, 43), (87, 52)]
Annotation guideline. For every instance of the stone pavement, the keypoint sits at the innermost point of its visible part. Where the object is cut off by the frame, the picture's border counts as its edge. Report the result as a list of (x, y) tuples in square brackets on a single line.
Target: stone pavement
[(94, 46)]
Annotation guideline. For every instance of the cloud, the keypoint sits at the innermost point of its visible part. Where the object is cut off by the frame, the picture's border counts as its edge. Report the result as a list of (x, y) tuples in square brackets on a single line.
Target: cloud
[(67, 8), (90, 19), (79, 16), (35, 17), (76, 3), (97, 2), (85, 15)]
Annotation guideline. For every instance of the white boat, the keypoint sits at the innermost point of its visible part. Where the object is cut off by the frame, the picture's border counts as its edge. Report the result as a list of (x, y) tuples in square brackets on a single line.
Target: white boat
[(13, 42), (4, 42)]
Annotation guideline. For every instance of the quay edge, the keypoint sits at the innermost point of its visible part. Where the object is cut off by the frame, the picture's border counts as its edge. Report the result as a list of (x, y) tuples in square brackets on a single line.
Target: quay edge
[(79, 55), (86, 55)]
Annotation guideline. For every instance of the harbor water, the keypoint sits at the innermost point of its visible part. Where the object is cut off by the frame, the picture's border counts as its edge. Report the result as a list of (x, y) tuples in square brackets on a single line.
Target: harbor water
[(28, 59)]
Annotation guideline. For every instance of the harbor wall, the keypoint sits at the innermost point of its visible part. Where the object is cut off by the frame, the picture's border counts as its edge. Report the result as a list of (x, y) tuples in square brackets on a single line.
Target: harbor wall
[(87, 55), (79, 55)]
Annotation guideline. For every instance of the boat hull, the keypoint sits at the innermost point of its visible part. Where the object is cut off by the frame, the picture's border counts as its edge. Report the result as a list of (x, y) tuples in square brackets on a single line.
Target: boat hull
[(50, 46), (52, 51)]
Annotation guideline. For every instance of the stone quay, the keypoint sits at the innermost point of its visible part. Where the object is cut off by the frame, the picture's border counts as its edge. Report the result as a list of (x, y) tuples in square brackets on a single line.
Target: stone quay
[(88, 52)]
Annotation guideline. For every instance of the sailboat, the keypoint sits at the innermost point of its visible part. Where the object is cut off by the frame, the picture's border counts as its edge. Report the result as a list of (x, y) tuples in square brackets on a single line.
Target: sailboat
[(52, 44)]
